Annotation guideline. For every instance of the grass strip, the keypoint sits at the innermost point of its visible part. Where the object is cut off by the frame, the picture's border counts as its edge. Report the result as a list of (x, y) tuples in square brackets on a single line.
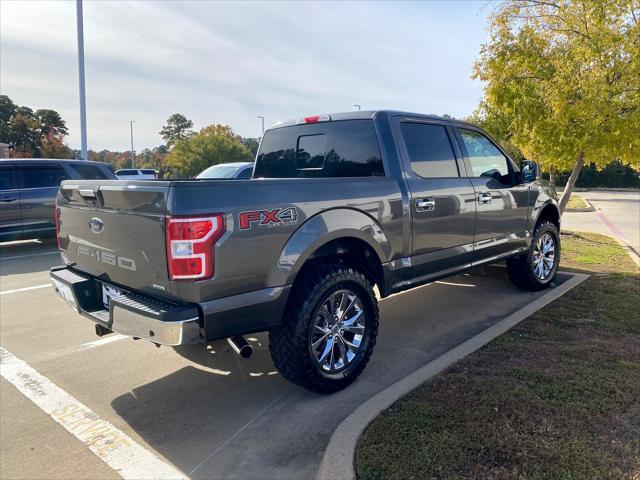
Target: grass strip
[(556, 397)]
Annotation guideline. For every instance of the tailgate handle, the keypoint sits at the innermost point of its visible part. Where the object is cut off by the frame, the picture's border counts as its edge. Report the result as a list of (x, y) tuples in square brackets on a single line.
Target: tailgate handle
[(87, 193)]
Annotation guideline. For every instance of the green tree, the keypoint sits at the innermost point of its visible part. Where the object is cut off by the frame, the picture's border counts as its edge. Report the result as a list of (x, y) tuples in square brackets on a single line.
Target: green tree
[(50, 122), (24, 136), (178, 127), (32, 134), (252, 144), (7, 110), (564, 76), (212, 145)]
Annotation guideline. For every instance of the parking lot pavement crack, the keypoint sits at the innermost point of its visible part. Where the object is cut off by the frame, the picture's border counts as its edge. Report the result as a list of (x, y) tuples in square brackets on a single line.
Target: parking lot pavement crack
[(230, 439)]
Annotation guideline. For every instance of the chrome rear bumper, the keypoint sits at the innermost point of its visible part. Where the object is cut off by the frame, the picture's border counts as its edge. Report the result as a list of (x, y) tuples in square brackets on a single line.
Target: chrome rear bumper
[(131, 314)]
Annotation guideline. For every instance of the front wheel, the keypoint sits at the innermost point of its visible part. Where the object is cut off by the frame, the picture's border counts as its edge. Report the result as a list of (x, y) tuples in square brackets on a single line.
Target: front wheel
[(329, 330), (537, 268)]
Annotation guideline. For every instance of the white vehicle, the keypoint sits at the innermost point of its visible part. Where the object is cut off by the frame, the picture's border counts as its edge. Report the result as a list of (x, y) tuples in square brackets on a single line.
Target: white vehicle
[(137, 174)]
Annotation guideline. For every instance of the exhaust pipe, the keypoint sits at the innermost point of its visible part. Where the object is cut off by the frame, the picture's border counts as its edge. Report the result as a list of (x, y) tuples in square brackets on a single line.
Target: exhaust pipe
[(240, 346)]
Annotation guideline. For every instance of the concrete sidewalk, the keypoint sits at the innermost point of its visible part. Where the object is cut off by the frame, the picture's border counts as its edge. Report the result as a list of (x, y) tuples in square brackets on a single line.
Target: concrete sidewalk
[(617, 214)]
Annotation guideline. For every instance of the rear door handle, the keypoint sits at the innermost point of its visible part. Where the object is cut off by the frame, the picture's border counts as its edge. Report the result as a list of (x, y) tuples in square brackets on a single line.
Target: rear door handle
[(427, 204), (484, 198)]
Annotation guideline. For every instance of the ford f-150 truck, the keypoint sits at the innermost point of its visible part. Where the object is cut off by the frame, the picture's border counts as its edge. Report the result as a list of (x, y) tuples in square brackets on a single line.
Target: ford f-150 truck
[(337, 204)]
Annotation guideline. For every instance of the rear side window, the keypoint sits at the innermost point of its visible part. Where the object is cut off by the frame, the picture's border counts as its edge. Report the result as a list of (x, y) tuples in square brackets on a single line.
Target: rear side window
[(6, 179), (41, 177), (347, 148), (311, 152), (429, 150), (88, 172), (148, 172), (126, 172)]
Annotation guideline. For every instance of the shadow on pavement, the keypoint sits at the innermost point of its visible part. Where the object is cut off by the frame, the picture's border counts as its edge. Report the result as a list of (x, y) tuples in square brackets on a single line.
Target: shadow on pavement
[(223, 417)]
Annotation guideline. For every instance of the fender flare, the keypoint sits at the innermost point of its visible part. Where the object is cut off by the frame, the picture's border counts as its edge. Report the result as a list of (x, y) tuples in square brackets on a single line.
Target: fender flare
[(538, 209), (321, 229)]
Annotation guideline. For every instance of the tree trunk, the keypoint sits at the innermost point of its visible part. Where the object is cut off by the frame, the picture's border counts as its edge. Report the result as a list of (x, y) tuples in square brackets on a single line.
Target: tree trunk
[(568, 188), (552, 179)]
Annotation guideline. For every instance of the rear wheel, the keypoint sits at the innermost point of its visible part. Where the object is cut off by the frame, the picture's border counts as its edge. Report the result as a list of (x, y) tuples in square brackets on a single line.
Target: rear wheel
[(329, 331), (537, 268)]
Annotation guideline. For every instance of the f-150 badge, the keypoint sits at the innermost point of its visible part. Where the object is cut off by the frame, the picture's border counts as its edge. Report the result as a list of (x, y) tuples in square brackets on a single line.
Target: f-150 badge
[(278, 217)]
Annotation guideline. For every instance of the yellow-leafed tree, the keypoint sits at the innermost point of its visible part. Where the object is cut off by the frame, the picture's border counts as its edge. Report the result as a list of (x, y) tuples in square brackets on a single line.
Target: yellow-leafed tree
[(562, 81)]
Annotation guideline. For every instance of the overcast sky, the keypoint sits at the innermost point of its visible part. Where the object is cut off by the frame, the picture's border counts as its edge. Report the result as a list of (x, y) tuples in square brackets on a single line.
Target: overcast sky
[(229, 62)]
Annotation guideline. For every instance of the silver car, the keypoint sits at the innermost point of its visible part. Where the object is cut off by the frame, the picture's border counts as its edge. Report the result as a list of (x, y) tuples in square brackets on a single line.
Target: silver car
[(228, 170)]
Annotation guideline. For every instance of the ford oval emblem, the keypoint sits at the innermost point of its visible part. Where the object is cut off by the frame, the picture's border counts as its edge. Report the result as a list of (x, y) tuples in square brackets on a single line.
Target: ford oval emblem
[(96, 225)]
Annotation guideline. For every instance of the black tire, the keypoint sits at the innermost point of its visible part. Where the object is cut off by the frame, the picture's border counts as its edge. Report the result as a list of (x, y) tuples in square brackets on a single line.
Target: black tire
[(290, 343), (522, 269)]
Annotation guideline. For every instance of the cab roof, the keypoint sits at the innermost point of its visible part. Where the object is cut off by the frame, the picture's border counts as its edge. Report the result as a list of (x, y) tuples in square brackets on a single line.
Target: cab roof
[(366, 115)]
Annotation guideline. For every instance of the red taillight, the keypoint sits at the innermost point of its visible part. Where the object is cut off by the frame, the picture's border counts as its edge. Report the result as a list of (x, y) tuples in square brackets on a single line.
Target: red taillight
[(190, 243), (56, 212)]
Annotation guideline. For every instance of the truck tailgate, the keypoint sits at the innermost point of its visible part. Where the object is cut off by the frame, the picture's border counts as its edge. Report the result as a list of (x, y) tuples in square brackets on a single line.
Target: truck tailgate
[(115, 230)]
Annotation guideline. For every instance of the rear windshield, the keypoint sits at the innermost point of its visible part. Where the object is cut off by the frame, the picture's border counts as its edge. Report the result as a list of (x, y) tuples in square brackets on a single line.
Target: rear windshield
[(88, 172), (218, 171), (347, 148)]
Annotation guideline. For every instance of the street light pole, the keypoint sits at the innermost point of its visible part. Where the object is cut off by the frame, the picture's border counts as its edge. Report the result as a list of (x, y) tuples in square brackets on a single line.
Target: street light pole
[(83, 106), (356, 105), (133, 153), (262, 118)]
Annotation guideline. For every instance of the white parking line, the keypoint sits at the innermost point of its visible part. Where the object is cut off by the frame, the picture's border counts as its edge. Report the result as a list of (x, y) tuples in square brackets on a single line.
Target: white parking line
[(27, 256), (102, 341), (455, 284), (115, 448), (25, 289)]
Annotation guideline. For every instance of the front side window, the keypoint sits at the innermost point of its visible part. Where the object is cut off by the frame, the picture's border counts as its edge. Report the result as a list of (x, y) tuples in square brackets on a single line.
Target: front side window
[(429, 149), (41, 177), (346, 148), (246, 173), (485, 158)]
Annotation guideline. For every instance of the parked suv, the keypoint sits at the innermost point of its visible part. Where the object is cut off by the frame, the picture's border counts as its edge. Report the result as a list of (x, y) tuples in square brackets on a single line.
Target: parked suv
[(28, 189), (337, 204)]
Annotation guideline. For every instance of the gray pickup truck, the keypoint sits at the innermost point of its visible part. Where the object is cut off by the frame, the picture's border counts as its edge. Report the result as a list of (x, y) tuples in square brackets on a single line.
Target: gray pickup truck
[(337, 204)]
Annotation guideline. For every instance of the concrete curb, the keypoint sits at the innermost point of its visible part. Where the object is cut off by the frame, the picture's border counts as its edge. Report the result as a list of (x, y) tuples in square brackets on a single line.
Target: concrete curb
[(604, 189), (338, 460)]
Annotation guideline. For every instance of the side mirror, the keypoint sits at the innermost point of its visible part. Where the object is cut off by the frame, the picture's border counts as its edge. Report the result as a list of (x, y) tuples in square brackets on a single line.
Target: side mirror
[(528, 171)]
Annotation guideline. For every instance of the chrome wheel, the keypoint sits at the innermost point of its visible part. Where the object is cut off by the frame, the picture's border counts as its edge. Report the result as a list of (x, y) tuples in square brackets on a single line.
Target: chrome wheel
[(337, 331), (544, 256)]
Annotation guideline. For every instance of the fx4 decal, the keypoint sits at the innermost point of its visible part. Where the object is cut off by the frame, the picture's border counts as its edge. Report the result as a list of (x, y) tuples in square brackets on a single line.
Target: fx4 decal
[(271, 218)]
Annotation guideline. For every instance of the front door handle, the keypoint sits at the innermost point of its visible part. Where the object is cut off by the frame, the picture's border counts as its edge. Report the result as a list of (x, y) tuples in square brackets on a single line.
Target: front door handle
[(427, 204), (484, 198)]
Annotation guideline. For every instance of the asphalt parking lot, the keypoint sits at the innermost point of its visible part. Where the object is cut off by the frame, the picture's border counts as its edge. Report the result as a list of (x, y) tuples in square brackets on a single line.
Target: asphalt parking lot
[(206, 411)]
